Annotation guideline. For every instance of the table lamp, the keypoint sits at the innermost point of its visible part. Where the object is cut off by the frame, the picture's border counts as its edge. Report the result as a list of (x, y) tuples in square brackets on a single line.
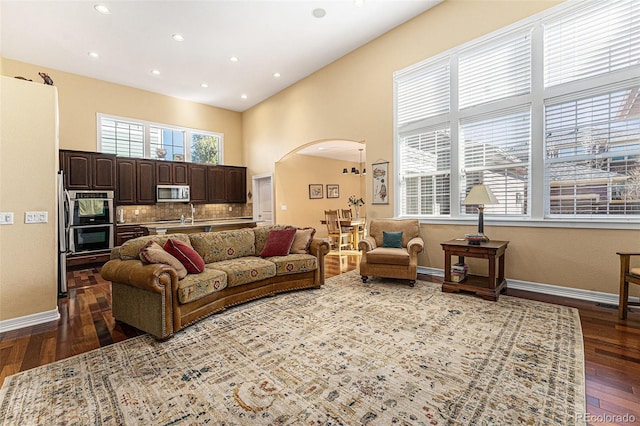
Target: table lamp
[(479, 196)]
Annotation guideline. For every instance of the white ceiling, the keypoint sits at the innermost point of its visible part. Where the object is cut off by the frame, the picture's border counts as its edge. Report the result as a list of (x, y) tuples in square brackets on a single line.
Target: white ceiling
[(337, 150), (136, 37)]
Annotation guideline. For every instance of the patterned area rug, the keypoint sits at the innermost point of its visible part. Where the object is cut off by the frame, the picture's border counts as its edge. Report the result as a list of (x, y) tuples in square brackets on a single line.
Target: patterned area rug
[(349, 353)]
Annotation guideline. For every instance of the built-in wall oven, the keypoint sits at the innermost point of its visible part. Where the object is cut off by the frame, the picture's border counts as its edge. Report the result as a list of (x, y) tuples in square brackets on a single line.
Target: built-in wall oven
[(91, 218)]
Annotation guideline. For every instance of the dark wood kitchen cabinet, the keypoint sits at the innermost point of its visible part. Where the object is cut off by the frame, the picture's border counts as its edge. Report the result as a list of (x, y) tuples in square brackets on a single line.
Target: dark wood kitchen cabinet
[(88, 170), (126, 191), (146, 181), (198, 182), (171, 173), (127, 232), (136, 181), (236, 184), (216, 188)]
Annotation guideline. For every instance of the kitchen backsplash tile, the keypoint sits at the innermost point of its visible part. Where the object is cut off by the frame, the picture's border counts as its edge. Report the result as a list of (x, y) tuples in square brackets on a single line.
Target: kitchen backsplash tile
[(166, 211)]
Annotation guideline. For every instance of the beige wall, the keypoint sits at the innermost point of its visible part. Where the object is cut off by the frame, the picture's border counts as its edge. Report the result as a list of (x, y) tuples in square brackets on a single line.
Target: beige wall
[(81, 98), (28, 166), (293, 176), (353, 99)]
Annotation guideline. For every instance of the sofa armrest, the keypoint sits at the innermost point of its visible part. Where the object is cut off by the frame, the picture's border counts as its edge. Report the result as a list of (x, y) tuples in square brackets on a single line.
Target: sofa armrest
[(366, 244), (319, 247), (135, 273), (415, 245)]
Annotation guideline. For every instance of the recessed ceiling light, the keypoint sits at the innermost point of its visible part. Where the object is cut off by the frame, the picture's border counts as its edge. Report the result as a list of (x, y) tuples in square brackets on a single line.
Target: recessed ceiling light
[(276, 75), (243, 96), (93, 55), (155, 72), (319, 12), (177, 37), (234, 59), (102, 9), (204, 85)]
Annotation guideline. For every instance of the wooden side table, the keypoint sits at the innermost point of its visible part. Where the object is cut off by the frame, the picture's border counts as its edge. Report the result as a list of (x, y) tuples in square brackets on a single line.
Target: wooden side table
[(488, 288)]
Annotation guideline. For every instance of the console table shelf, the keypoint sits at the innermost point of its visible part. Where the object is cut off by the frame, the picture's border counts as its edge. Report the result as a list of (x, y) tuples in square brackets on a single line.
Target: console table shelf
[(486, 287)]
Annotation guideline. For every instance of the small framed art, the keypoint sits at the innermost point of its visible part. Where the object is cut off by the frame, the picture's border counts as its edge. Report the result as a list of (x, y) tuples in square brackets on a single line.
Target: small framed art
[(380, 183), (315, 191), (333, 191)]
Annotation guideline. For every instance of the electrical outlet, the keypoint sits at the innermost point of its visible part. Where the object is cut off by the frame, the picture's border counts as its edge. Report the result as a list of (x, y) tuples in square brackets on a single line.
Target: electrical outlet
[(230, 209), (6, 218), (136, 212)]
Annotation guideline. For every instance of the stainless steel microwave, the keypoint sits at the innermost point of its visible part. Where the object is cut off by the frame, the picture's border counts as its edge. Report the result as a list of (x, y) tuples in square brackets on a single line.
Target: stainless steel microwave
[(172, 193)]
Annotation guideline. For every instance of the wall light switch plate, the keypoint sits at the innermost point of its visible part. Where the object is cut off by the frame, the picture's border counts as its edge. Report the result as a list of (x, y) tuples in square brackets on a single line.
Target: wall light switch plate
[(6, 218), (36, 217)]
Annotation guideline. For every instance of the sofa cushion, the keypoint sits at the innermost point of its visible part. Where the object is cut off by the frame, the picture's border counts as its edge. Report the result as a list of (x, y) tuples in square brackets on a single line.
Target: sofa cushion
[(388, 256), (278, 242), (195, 287), (152, 252), (245, 270), (410, 228), (294, 263), (262, 233), (302, 240), (185, 254), (224, 245), (131, 249)]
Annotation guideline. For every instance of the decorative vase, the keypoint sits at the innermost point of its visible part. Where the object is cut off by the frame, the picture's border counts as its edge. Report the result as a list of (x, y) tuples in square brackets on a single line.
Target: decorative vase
[(357, 212)]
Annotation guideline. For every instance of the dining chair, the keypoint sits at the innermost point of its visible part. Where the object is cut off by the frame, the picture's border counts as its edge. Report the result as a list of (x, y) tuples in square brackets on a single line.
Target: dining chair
[(335, 231), (346, 214), (627, 275)]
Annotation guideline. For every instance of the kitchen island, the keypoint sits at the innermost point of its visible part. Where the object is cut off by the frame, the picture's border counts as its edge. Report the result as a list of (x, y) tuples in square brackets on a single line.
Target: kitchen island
[(202, 225)]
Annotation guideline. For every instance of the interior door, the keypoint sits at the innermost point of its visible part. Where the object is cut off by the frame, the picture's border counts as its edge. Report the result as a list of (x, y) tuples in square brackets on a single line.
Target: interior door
[(263, 201)]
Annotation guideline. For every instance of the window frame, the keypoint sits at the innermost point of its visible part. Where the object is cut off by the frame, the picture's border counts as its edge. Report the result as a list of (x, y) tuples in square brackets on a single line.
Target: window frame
[(187, 132), (538, 198)]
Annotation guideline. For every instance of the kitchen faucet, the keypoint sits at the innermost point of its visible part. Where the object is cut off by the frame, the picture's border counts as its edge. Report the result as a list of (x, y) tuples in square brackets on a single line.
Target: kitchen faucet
[(193, 211)]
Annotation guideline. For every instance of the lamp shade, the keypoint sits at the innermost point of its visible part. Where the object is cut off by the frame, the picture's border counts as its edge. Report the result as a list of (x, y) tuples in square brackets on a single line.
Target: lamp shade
[(480, 195)]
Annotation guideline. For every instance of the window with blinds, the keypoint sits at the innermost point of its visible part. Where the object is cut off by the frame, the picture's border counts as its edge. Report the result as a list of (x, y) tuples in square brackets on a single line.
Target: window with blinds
[(590, 41), (495, 152), (545, 112), (424, 93), (121, 137), (142, 139), (593, 154), (495, 70), (426, 172)]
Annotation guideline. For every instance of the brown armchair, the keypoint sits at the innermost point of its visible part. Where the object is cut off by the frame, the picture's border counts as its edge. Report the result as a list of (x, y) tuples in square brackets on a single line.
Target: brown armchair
[(392, 262), (627, 275)]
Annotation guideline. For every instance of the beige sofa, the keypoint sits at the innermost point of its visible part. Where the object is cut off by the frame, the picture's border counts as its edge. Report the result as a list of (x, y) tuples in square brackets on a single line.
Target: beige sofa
[(151, 298), (393, 262)]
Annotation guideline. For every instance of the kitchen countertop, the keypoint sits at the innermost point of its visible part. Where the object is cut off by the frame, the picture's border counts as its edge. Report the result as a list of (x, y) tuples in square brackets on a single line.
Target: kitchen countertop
[(208, 225)]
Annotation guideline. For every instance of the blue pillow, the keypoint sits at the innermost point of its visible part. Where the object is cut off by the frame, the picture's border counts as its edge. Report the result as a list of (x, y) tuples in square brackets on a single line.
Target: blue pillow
[(392, 239)]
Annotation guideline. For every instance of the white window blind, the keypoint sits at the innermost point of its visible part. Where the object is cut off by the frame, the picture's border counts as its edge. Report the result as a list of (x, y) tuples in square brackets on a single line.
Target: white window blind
[(142, 139), (496, 151), (601, 38), (423, 93), (593, 154), (495, 70), (425, 172), (121, 137)]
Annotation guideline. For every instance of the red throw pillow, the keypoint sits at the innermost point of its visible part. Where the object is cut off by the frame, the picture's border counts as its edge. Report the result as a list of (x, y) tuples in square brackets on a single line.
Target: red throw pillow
[(186, 255), (278, 242)]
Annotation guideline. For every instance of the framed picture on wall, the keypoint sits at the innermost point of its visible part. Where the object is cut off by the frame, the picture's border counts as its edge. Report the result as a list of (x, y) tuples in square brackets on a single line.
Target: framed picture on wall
[(380, 183), (333, 191), (315, 191)]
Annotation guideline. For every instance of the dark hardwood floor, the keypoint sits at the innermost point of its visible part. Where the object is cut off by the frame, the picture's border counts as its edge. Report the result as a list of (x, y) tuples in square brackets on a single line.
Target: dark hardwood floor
[(612, 347)]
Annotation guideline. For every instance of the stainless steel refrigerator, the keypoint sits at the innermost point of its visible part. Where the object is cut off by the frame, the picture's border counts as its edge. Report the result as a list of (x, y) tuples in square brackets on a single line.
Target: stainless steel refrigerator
[(63, 235)]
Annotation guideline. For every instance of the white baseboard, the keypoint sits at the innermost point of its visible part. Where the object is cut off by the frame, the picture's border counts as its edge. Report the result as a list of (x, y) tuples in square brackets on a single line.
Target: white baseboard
[(554, 290), (29, 320)]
